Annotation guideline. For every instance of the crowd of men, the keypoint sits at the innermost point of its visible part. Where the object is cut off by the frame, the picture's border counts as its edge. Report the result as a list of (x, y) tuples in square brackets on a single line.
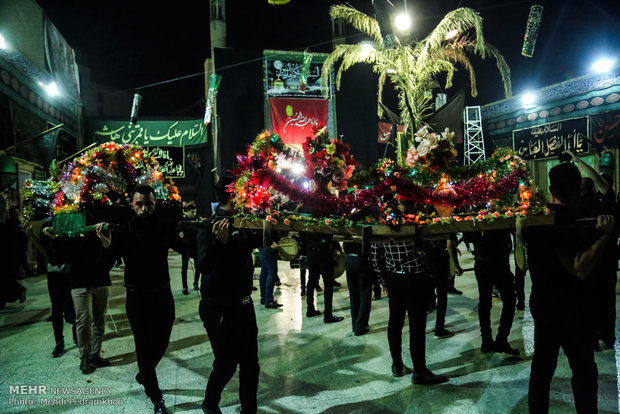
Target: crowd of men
[(572, 266)]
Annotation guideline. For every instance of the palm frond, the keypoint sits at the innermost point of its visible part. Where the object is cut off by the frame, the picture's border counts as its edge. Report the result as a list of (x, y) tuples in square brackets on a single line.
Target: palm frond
[(461, 20), (381, 82), (357, 19), (503, 68)]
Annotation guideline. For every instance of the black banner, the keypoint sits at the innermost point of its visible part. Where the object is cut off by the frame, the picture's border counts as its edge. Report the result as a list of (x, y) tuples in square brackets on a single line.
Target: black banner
[(283, 79), (550, 140), (170, 159), (606, 128)]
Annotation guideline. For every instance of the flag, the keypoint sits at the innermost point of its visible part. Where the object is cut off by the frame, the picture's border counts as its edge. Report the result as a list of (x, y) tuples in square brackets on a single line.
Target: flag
[(293, 119), (449, 116), (386, 132), (47, 146)]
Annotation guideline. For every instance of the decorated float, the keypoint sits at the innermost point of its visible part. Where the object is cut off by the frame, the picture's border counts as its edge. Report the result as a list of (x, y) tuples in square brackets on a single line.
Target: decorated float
[(95, 187)]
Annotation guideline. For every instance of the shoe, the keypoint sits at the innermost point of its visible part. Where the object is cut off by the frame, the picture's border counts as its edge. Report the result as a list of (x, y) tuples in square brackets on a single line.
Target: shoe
[(362, 331), (495, 293), (196, 286), (443, 333), (277, 283), (520, 306), (254, 288), (312, 312), (455, 291), (273, 305), (303, 292), (139, 379), (48, 319), (319, 288), (22, 296), (332, 318), (99, 362), (337, 284), (428, 378), (488, 346), (86, 367), (208, 410), (59, 350), (185, 291), (400, 371), (160, 408), (505, 348), (377, 296)]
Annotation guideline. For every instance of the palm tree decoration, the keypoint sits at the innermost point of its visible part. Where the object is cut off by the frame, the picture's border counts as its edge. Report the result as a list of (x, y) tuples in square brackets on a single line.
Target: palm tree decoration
[(412, 68)]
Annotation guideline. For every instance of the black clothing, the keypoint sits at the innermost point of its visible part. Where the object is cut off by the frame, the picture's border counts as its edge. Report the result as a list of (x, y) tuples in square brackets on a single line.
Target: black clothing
[(233, 334), (144, 245), (11, 243), (359, 281), (492, 267), (408, 295), (227, 311), (562, 317), (438, 260), (151, 316), (320, 263), (62, 303), (90, 265)]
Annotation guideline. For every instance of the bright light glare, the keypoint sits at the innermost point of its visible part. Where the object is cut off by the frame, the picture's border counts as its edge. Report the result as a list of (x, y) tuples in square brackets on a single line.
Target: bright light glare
[(2, 42), (298, 168), (367, 47), (451, 34), (528, 99), (278, 170), (402, 22), (603, 65), (51, 89), (306, 184)]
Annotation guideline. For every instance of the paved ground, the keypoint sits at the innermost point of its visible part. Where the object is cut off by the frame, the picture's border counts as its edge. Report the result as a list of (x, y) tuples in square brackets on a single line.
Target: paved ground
[(306, 365)]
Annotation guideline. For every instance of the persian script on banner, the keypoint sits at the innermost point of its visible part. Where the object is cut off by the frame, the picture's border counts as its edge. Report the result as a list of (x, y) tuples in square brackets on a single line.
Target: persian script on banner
[(293, 119)]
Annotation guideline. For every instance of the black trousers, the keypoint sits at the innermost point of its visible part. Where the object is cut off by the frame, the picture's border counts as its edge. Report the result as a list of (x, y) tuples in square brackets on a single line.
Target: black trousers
[(151, 315), (320, 265), (440, 272), (233, 334), (573, 338), (408, 294), (359, 281), (62, 304), (184, 265), (496, 272)]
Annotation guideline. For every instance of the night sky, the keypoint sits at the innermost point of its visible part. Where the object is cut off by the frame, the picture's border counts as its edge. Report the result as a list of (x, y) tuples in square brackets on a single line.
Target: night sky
[(128, 44)]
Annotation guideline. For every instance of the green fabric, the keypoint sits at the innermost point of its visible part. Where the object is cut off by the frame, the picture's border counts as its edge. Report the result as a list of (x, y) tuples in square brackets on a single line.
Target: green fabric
[(150, 133)]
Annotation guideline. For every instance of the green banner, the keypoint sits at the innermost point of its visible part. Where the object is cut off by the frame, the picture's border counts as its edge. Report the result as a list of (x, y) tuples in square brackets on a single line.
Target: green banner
[(150, 133)]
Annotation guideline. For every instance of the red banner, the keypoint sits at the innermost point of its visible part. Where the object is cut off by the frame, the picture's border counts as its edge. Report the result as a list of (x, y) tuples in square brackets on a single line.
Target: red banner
[(385, 131), (293, 119)]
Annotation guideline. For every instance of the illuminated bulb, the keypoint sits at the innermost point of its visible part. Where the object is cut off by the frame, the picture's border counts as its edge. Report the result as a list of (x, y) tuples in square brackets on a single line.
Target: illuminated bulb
[(51, 89), (402, 22), (2, 43)]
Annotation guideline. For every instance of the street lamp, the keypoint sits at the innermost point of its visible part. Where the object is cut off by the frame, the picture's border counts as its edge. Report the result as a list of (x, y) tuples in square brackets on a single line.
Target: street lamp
[(402, 22), (603, 65), (528, 99)]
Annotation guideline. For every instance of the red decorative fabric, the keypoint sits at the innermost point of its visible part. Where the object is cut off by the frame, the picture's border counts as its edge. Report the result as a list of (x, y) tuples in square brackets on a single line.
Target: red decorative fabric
[(293, 119)]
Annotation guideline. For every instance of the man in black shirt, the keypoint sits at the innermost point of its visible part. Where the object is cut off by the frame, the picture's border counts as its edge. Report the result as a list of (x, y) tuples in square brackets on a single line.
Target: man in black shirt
[(226, 307), (144, 243), (401, 265), (560, 259)]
